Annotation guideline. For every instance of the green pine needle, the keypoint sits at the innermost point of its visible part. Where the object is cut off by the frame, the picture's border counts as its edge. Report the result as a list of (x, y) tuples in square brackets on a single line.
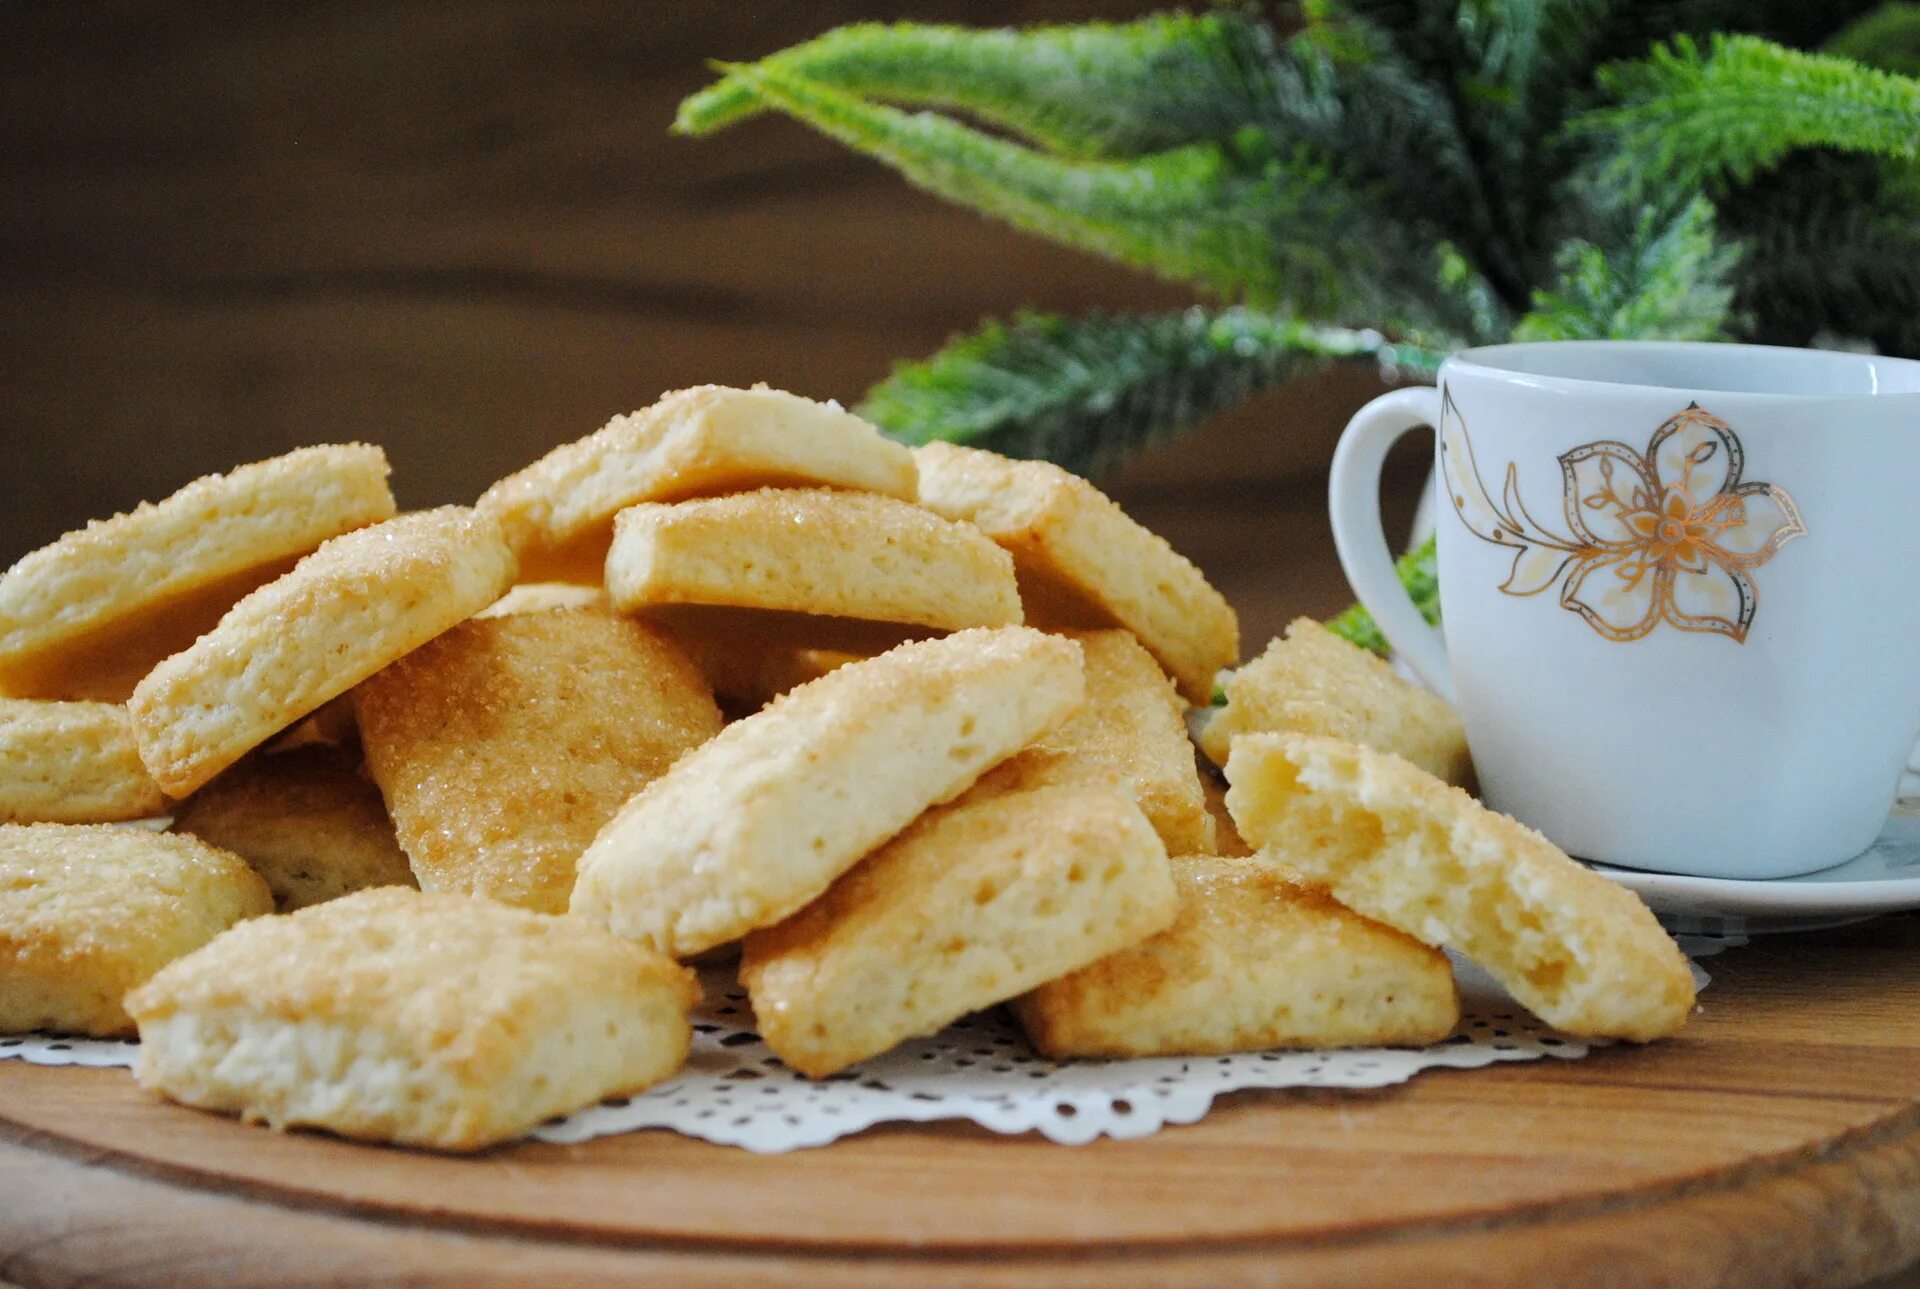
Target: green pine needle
[(1420, 575), (1887, 38), (1687, 117), (1089, 91), (1670, 279), (1085, 393)]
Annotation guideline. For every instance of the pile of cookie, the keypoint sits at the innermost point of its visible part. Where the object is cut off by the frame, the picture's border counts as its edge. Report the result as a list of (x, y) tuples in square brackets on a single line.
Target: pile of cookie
[(455, 794)]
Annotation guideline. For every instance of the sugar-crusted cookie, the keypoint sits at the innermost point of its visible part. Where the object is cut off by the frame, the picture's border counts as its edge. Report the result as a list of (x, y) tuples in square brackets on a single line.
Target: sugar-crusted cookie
[(87, 912), (1392, 842), (503, 746), (976, 903), (1131, 730), (307, 820), (1082, 561), (71, 763), (750, 826), (1313, 682), (1255, 960), (344, 612), (91, 614), (750, 660), (426, 1020), (538, 597), (812, 551), (558, 512)]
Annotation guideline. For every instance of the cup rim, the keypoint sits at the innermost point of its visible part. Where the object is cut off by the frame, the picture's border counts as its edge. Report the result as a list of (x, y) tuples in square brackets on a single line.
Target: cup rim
[(1482, 360)]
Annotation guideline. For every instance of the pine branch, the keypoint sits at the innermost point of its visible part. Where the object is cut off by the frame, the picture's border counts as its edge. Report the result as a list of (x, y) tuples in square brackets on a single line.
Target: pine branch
[(1887, 38), (1090, 91), (1419, 573), (1688, 117), (1088, 392), (1669, 279), (1237, 219)]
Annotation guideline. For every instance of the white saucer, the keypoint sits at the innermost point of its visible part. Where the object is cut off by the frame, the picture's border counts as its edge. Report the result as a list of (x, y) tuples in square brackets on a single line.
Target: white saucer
[(1885, 879)]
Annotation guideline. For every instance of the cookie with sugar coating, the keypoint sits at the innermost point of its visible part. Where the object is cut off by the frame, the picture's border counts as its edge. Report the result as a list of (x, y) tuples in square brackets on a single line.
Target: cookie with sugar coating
[(815, 552), (1313, 682), (976, 903), (307, 820), (89, 911), (750, 826), (1131, 730), (749, 661), (350, 608), (425, 1020), (504, 745), (1082, 561), (704, 441), (71, 763), (538, 597), (88, 616), (1254, 960), (1397, 845)]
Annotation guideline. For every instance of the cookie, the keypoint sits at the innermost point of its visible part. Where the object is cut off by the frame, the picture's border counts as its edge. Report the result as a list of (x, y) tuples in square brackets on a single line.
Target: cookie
[(91, 614), (1082, 561), (538, 597), (1131, 730), (503, 746), (71, 763), (350, 608), (750, 659), (87, 912), (558, 512), (812, 551), (1313, 682), (307, 820), (425, 1020), (974, 904), (1397, 845), (1255, 960), (749, 827)]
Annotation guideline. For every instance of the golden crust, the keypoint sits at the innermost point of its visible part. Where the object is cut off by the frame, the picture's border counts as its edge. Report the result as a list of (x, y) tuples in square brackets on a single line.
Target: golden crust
[(1254, 960), (977, 902), (89, 615), (558, 512), (71, 763), (1313, 682), (344, 612), (1131, 731), (503, 746), (87, 912), (393, 1015), (1083, 562), (307, 820), (834, 554), (1394, 843), (752, 825)]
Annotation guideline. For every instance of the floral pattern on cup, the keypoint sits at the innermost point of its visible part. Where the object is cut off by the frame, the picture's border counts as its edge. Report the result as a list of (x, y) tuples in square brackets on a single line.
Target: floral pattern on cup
[(1670, 534)]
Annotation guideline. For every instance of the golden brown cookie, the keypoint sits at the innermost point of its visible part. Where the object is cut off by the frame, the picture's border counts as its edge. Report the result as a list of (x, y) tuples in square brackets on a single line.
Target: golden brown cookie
[(71, 763)]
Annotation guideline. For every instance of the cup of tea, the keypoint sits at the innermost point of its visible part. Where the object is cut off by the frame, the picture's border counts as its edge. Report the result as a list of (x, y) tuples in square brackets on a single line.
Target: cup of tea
[(1681, 588)]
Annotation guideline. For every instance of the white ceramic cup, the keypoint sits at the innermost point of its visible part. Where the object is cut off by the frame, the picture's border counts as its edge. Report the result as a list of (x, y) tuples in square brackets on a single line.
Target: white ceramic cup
[(1681, 585)]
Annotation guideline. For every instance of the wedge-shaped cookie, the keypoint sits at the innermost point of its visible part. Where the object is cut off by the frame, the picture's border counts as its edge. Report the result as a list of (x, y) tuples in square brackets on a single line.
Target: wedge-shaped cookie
[(538, 597), (812, 551), (71, 763), (344, 612), (558, 512), (747, 828), (307, 820), (88, 616), (503, 746), (974, 904), (87, 912), (1131, 730), (1083, 562), (1254, 960), (749, 661), (1313, 682), (426, 1020), (1394, 843)]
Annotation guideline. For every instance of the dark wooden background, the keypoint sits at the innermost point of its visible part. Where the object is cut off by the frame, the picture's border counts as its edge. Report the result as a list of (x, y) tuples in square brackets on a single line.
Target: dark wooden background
[(462, 230)]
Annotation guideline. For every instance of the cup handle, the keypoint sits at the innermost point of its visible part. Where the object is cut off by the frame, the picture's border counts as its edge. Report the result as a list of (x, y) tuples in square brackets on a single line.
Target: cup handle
[(1353, 503)]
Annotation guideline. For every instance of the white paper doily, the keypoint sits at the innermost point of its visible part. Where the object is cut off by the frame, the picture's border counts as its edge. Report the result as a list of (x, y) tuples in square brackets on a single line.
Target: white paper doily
[(735, 1091)]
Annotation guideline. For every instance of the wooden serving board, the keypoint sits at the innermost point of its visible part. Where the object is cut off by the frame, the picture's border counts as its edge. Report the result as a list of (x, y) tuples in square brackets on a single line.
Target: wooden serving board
[(1777, 1143)]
